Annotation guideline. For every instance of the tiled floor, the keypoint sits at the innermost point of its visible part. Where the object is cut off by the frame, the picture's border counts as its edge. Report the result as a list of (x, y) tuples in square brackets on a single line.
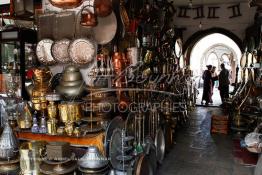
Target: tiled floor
[(197, 152)]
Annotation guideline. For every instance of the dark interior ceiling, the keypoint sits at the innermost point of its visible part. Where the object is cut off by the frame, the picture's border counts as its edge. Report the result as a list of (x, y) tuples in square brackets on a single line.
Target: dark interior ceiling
[(200, 2)]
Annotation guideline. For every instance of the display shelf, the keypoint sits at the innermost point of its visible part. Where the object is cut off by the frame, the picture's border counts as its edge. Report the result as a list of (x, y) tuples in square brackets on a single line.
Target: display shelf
[(96, 139)]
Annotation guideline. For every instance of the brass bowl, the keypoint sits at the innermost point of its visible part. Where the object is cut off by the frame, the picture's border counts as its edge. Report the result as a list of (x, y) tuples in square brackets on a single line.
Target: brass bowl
[(66, 4)]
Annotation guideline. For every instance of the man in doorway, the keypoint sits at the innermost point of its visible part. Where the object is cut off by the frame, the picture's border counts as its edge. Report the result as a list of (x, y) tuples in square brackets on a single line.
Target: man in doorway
[(224, 82), (207, 91)]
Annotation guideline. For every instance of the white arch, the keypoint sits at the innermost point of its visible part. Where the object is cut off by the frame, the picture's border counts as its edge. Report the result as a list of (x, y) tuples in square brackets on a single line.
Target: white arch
[(207, 42)]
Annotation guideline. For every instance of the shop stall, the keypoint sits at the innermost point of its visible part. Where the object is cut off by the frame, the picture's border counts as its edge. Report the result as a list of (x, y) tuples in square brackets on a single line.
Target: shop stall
[(97, 87)]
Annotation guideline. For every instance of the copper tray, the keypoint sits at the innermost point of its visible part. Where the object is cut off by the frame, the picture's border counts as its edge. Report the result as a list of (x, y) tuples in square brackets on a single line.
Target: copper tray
[(82, 51), (59, 51)]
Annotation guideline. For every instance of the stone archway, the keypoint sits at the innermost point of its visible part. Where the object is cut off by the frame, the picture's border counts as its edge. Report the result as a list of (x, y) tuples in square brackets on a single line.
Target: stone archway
[(193, 39)]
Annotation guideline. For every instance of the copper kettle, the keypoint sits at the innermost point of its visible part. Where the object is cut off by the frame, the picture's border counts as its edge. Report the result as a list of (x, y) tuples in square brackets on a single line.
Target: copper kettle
[(66, 4), (103, 7), (88, 18)]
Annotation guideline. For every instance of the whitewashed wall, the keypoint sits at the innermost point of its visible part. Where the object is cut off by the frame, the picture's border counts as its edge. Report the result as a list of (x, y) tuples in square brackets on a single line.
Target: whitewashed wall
[(236, 25)]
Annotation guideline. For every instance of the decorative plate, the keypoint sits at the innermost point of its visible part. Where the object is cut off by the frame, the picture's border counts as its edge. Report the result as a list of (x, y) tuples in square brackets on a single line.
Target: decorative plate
[(82, 51), (249, 59), (43, 51), (181, 62), (59, 51), (178, 48), (243, 60)]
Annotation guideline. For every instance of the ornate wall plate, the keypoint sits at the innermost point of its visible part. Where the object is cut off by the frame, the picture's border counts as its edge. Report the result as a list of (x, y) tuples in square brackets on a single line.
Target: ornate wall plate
[(249, 59), (178, 48), (59, 51), (43, 51), (82, 51), (243, 60)]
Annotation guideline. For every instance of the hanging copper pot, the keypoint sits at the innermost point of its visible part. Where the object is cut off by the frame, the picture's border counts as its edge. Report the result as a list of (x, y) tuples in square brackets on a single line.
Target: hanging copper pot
[(88, 18), (66, 4), (103, 7)]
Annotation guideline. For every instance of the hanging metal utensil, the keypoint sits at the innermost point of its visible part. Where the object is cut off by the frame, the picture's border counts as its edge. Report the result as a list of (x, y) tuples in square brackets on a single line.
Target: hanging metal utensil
[(106, 29), (88, 16), (160, 145), (61, 28), (45, 25), (59, 51), (124, 17), (82, 51)]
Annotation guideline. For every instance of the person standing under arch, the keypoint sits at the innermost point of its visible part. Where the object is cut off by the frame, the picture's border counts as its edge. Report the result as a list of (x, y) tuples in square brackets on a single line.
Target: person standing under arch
[(207, 90), (214, 79), (224, 82)]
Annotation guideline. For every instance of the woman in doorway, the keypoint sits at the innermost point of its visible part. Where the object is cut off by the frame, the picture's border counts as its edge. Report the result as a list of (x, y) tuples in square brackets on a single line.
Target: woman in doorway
[(214, 79), (207, 90)]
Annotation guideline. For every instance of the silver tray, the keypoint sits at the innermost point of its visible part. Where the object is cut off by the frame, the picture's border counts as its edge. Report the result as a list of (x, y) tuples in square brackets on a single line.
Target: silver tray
[(82, 51), (59, 51), (43, 52)]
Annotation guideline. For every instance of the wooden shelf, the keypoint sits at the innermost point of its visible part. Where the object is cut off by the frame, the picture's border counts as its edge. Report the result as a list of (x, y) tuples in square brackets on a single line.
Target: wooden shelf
[(88, 140)]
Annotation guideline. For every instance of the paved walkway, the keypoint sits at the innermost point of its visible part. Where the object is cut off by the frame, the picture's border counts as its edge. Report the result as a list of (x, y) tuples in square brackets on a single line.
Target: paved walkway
[(197, 152)]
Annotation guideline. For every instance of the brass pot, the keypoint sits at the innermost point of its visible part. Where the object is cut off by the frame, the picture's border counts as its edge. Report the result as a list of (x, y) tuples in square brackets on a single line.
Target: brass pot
[(71, 83), (71, 76), (71, 91), (70, 112), (66, 4), (103, 8), (71, 68)]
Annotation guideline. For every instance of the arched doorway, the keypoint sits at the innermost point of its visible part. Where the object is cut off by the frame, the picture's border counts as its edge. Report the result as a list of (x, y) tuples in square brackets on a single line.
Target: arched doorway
[(213, 49)]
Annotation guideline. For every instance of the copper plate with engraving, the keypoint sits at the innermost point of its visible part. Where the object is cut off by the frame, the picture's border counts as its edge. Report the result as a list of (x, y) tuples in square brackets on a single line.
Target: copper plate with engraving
[(82, 51), (59, 51), (43, 52)]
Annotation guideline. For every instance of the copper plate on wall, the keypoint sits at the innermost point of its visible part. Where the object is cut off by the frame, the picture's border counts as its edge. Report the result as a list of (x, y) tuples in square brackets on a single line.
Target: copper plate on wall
[(43, 51), (59, 51), (82, 51)]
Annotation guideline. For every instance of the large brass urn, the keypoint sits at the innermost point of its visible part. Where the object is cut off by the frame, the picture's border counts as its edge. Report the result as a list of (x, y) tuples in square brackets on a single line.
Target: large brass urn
[(71, 85)]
